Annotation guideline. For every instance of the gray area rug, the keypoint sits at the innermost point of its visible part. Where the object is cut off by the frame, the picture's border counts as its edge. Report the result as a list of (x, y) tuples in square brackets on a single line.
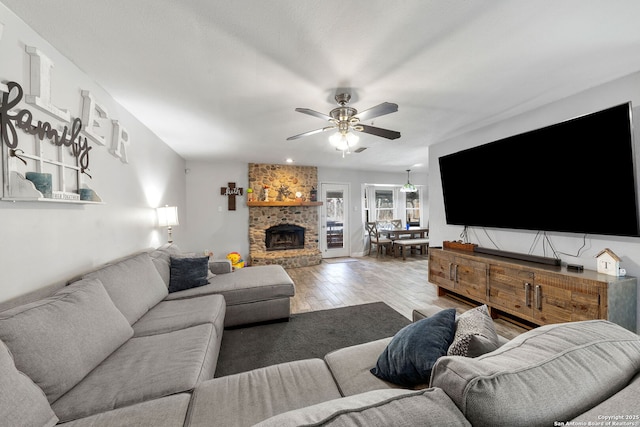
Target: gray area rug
[(306, 335)]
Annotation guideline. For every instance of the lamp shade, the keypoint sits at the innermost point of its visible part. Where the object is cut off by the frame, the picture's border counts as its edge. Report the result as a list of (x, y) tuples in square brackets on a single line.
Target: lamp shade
[(408, 187), (167, 216)]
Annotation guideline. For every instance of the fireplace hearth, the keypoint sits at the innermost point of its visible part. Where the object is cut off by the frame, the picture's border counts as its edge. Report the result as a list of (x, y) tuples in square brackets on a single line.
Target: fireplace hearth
[(284, 237)]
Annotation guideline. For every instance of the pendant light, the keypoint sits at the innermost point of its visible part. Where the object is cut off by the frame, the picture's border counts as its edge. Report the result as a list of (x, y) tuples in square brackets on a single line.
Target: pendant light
[(408, 187)]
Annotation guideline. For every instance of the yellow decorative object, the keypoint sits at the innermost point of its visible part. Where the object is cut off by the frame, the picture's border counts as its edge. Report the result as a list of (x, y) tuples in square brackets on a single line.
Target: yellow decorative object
[(236, 259)]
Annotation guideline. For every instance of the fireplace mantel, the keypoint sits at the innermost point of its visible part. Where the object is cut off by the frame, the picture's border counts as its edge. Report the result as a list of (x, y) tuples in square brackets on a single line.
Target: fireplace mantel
[(283, 203)]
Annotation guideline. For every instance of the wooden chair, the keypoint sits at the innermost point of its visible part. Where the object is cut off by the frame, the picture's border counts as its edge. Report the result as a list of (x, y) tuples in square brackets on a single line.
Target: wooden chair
[(375, 239), (396, 223)]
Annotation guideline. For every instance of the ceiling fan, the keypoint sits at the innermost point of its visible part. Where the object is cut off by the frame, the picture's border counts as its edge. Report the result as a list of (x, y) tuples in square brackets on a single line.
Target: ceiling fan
[(345, 120)]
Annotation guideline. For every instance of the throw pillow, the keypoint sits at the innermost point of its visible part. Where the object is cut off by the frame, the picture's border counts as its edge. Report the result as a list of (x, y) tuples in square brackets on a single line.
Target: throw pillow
[(411, 354), (475, 334), (187, 273)]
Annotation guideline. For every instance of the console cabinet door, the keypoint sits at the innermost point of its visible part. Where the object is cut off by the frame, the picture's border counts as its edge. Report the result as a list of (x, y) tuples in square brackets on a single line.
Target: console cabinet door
[(510, 290), (558, 300), (441, 269), (462, 275), (470, 278)]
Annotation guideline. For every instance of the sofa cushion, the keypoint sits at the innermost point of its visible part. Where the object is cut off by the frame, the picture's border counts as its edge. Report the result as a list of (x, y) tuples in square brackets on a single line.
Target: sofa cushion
[(144, 368), (173, 315), (246, 285), (58, 340), (133, 284), (250, 397), (542, 365), (161, 258), (351, 367), (379, 408), (167, 411), (21, 401), (409, 357), (475, 334), (187, 273), (624, 404)]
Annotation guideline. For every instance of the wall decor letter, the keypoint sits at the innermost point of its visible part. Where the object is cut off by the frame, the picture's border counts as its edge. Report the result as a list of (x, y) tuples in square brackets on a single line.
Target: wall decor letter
[(40, 96), (119, 142), (92, 112)]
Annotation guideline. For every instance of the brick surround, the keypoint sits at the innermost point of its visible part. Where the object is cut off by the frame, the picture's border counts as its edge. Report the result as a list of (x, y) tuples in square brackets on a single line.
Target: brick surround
[(293, 178)]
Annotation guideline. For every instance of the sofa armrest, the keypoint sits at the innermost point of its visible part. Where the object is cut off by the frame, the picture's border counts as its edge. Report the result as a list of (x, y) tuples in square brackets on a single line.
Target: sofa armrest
[(220, 266)]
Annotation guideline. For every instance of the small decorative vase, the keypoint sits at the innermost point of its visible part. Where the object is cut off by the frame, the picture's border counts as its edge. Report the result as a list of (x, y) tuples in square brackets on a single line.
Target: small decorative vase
[(42, 182), (266, 194)]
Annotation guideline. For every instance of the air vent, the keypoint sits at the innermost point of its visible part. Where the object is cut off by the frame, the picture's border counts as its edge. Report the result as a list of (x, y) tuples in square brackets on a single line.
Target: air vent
[(360, 150)]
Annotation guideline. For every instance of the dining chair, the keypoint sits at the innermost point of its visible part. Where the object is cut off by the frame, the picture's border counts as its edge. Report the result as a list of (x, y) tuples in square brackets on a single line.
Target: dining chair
[(396, 223), (376, 239)]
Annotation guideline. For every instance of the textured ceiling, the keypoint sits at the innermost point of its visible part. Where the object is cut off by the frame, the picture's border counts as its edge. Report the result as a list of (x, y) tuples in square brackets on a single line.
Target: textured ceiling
[(221, 79)]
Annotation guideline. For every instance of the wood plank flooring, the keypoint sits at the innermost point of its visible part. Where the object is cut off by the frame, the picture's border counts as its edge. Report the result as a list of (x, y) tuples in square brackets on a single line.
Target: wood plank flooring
[(403, 285)]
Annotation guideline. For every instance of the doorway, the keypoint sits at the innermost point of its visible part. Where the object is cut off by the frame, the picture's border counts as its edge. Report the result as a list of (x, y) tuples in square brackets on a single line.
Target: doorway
[(334, 229)]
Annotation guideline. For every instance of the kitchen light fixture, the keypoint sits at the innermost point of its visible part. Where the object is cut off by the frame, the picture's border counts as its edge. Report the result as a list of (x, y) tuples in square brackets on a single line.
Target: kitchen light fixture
[(408, 187), (168, 217)]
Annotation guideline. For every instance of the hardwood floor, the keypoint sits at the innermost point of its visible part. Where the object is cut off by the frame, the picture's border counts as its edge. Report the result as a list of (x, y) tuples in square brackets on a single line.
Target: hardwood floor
[(403, 285)]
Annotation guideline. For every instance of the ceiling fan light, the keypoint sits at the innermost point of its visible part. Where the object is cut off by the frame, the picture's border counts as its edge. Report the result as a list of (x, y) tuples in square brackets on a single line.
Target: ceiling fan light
[(352, 139)]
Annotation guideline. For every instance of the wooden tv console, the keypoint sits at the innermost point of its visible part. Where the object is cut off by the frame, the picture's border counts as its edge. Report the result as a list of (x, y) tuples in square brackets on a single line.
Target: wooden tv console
[(537, 293)]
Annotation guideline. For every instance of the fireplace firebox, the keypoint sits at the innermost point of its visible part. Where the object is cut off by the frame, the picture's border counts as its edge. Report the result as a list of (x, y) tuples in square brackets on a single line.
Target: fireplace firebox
[(284, 237)]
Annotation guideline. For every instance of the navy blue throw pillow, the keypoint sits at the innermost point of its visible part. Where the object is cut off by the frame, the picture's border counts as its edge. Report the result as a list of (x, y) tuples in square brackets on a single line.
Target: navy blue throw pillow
[(412, 352), (187, 273)]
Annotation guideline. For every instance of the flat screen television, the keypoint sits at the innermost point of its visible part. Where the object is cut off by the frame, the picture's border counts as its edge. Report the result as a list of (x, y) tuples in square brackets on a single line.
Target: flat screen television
[(577, 176)]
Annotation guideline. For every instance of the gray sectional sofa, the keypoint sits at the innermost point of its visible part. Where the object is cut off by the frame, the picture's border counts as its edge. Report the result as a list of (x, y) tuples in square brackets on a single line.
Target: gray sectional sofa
[(115, 348)]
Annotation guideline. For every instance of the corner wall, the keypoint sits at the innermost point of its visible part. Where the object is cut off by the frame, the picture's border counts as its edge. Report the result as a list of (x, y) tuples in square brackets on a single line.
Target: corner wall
[(45, 243)]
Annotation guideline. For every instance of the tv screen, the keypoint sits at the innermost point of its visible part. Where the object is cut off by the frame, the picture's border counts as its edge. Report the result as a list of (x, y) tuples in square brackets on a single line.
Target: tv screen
[(576, 176)]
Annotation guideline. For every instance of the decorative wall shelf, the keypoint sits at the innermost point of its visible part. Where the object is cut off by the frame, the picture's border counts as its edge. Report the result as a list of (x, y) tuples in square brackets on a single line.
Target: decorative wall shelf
[(283, 203), (20, 189)]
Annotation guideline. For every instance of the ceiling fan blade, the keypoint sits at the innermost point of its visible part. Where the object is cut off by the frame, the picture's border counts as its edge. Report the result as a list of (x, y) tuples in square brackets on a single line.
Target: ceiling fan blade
[(385, 133), (314, 113), (377, 111), (311, 132)]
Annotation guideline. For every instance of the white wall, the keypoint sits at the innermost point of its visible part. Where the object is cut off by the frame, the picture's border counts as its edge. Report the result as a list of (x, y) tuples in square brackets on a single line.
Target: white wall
[(212, 226), (46, 243), (604, 96)]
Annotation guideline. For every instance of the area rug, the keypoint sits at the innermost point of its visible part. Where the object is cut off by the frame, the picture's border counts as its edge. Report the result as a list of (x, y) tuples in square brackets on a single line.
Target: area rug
[(306, 335)]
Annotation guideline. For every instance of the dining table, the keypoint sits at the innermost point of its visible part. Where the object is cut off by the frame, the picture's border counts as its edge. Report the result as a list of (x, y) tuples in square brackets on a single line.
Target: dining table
[(412, 232)]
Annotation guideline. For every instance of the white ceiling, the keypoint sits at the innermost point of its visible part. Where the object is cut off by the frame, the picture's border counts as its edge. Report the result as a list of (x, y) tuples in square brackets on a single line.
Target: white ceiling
[(219, 79)]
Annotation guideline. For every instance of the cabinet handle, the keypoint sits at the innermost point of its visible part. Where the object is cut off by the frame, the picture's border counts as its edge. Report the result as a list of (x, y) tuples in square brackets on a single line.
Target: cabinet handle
[(527, 294), (455, 273), (450, 267), (538, 297)]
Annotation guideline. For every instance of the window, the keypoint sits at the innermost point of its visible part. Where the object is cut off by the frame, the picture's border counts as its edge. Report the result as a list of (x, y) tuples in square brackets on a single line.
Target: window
[(384, 203), (412, 208)]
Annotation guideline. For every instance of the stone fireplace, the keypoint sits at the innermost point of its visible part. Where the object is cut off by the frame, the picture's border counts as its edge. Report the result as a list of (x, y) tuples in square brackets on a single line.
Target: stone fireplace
[(294, 218), (284, 237)]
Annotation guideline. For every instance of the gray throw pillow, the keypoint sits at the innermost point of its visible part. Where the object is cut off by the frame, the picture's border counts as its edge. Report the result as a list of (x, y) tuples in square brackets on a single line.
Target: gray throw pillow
[(411, 354), (475, 334), (22, 403), (187, 273), (58, 340)]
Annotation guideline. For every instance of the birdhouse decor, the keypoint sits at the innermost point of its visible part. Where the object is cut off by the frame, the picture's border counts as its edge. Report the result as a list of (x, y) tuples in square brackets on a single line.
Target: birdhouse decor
[(608, 262)]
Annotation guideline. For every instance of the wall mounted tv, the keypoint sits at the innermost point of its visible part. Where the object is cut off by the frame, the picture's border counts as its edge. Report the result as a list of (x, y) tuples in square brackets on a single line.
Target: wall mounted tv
[(577, 176)]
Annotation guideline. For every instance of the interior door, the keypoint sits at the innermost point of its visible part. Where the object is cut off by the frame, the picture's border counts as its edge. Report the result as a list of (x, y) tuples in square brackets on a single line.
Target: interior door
[(334, 229)]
